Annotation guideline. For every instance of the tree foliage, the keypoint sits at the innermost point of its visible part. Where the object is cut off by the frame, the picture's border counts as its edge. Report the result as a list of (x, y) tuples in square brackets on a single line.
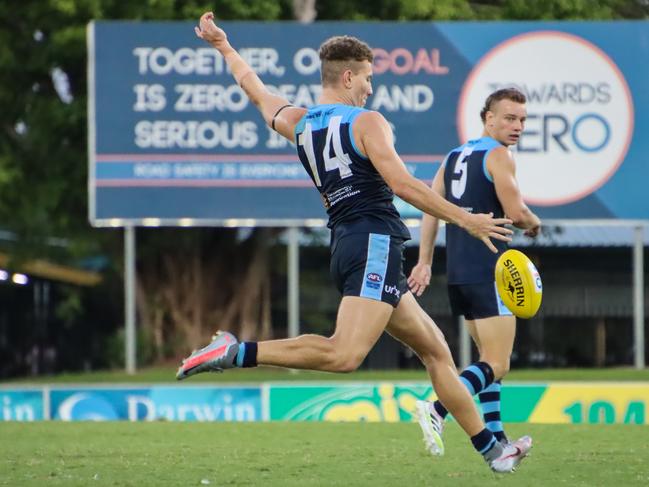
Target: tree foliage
[(575, 9), (43, 152), (482, 9)]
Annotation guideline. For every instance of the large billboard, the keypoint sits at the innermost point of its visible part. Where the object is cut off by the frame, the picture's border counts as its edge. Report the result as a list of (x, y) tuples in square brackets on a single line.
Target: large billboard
[(558, 402), (173, 139)]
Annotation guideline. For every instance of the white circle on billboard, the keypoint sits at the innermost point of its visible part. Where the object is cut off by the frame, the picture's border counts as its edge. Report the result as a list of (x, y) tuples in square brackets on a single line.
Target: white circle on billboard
[(579, 113)]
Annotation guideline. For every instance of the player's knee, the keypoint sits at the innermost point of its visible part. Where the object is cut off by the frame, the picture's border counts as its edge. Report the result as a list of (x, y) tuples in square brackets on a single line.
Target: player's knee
[(436, 357), (343, 357), (500, 368), (347, 367), (350, 363), (434, 350), (347, 362), (504, 370)]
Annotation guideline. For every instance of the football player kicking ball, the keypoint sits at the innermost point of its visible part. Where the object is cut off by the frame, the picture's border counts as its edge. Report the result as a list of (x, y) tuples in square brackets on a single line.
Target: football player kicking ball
[(349, 154), (479, 175)]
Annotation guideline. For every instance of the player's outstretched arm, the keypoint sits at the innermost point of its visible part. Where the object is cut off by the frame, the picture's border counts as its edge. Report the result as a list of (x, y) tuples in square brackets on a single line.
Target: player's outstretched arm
[(421, 273), (268, 104), (502, 168), (374, 137)]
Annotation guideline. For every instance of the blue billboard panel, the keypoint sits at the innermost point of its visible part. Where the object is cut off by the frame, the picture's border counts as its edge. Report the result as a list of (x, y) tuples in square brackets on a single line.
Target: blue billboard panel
[(156, 403), (21, 405), (173, 137)]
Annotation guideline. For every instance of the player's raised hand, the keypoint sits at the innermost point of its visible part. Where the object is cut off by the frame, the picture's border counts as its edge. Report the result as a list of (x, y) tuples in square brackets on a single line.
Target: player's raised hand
[(210, 32), (485, 227), (419, 279)]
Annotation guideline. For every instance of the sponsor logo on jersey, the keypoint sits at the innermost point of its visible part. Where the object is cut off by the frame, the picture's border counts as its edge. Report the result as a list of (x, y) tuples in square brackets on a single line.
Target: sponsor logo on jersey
[(392, 290)]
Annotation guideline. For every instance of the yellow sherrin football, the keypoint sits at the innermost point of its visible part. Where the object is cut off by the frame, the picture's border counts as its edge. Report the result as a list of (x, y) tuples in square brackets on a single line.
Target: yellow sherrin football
[(518, 283)]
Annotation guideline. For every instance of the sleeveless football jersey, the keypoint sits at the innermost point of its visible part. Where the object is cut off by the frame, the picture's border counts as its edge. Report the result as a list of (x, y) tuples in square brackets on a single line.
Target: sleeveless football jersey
[(355, 195), (469, 185)]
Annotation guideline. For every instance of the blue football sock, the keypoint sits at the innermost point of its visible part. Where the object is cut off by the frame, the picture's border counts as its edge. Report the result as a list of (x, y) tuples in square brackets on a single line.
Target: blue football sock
[(486, 445), (247, 355), (490, 402), (476, 377)]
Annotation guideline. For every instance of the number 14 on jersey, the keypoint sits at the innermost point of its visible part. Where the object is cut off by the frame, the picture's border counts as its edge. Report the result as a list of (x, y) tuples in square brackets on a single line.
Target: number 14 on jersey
[(340, 161)]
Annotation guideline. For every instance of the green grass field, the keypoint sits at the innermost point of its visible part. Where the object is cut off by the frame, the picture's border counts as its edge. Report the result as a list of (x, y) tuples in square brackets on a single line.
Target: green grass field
[(310, 454), (306, 454)]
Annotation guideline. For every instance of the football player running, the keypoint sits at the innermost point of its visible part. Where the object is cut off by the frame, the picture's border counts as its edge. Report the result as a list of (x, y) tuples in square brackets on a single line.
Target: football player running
[(349, 154), (479, 175)]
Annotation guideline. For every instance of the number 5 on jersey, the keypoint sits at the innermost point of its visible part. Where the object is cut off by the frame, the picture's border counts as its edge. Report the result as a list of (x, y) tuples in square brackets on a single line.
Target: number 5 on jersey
[(339, 161), (458, 186)]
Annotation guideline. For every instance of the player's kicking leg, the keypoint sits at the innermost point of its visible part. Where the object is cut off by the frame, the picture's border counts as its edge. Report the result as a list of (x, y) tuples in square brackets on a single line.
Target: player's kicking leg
[(359, 324)]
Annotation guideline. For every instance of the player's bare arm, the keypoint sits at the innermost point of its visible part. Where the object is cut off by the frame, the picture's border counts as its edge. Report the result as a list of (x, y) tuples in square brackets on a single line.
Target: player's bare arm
[(374, 139), (276, 110), (502, 168), (421, 273)]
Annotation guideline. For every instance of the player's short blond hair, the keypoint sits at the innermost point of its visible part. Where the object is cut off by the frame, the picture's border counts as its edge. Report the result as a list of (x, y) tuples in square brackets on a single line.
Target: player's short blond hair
[(340, 53)]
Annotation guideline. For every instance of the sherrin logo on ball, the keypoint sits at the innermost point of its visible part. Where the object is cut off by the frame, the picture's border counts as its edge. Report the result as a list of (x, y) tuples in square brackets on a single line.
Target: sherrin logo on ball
[(519, 283)]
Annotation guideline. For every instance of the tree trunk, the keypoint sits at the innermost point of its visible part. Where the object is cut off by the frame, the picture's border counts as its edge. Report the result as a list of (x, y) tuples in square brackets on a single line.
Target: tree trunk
[(304, 11), (208, 282)]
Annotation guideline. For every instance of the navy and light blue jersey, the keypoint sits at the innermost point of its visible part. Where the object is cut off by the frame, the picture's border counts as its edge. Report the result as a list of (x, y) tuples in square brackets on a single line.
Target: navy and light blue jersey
[(469, 185), (356, 196)]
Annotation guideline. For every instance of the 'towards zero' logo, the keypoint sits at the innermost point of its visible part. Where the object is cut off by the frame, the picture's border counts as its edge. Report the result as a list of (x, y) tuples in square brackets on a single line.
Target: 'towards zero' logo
[(580, 112)]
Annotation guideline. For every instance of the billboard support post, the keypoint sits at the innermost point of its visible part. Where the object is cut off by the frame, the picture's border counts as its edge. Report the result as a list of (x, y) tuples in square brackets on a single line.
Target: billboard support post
[(129, 299), (293, 281), (638, 298), (465, 343)]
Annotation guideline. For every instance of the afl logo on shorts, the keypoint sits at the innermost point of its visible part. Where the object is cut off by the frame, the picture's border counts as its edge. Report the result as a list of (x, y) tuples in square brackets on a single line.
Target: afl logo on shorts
[(518, 283), (373, 280)]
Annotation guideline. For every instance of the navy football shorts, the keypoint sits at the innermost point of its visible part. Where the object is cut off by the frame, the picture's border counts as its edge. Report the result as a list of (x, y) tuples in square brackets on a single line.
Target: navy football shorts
[(369, 266), (475, 301)]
